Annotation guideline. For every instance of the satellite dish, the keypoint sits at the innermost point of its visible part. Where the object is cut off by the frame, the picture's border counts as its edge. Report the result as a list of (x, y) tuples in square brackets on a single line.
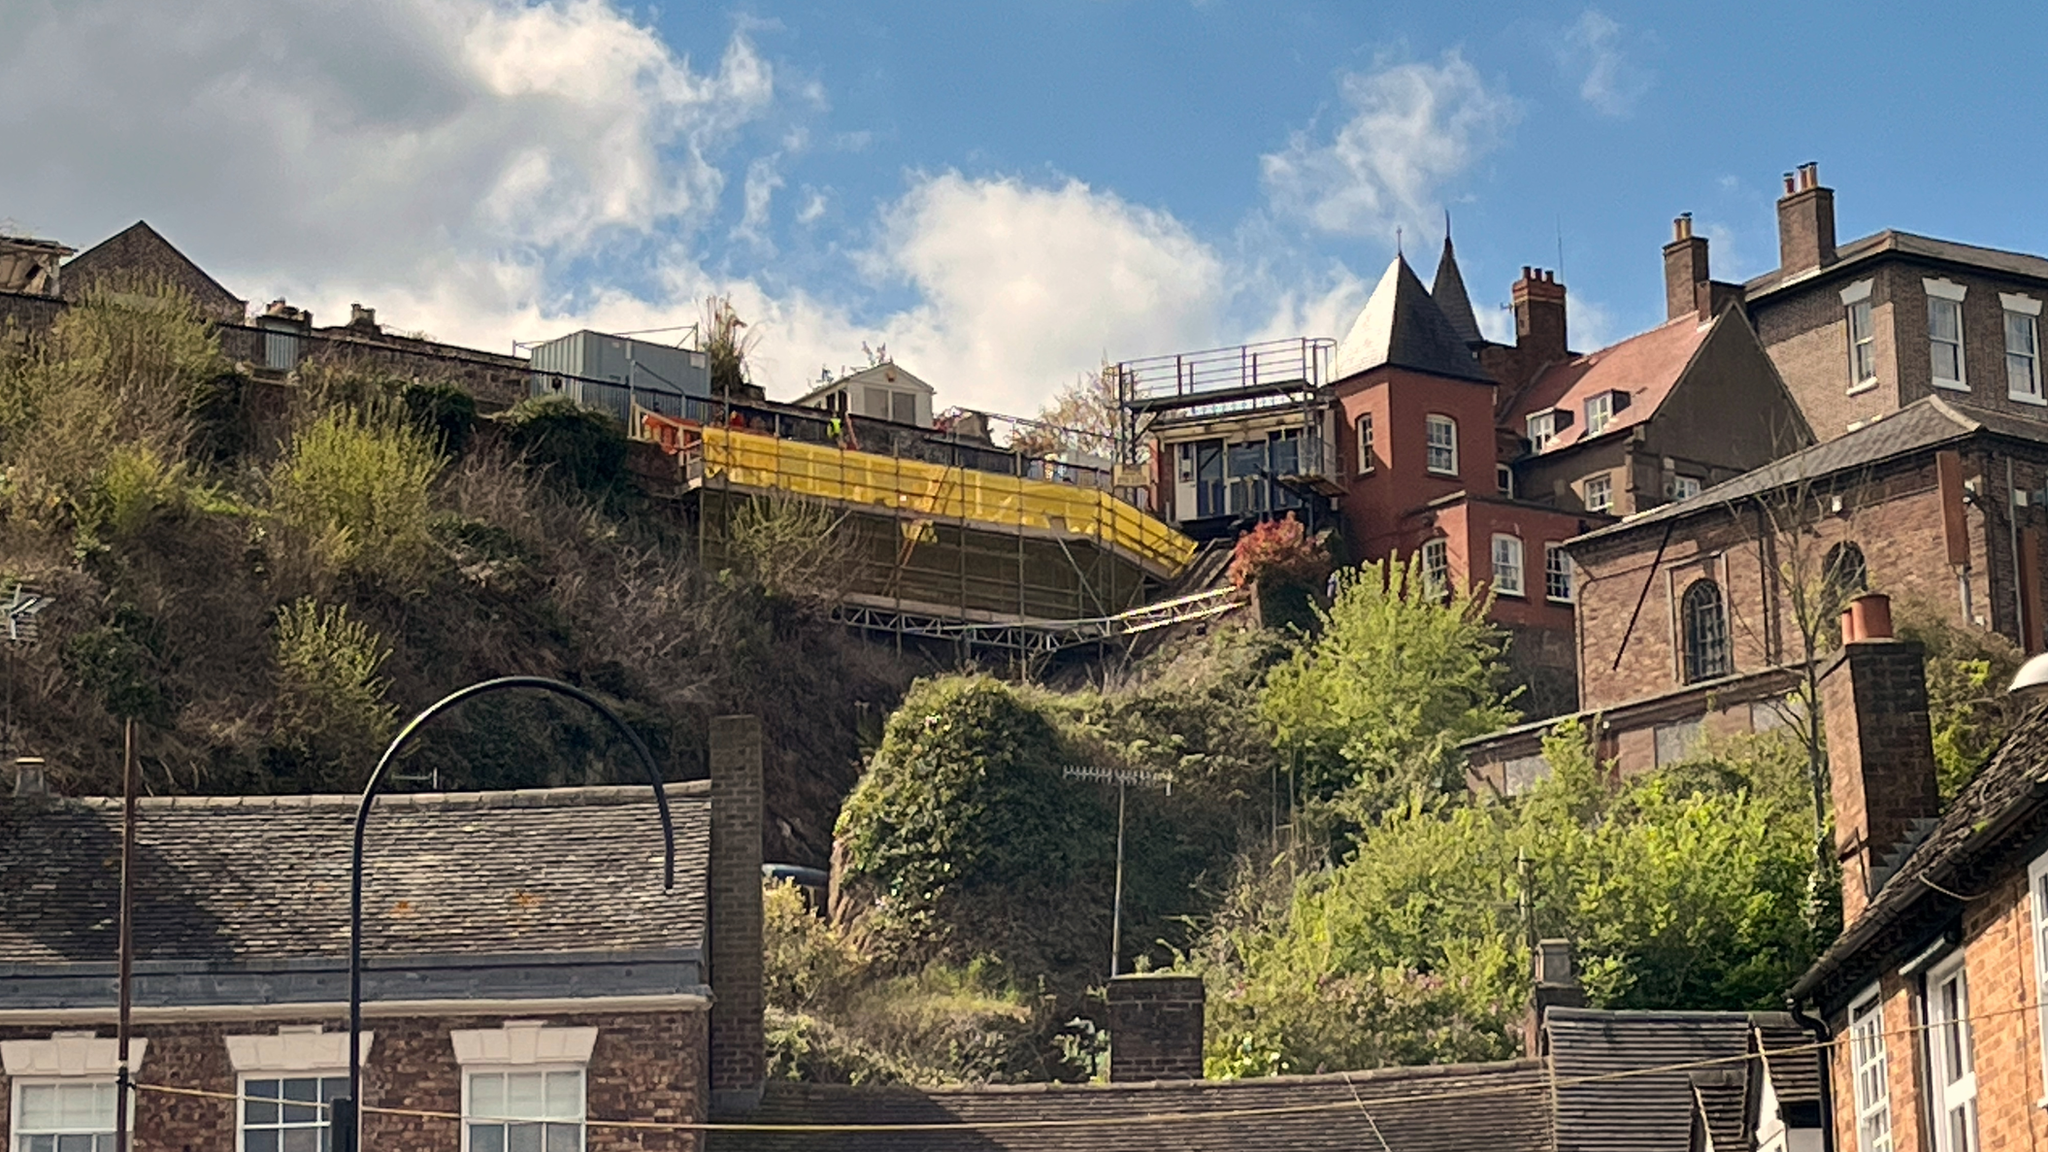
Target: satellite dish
[(2032, 674)]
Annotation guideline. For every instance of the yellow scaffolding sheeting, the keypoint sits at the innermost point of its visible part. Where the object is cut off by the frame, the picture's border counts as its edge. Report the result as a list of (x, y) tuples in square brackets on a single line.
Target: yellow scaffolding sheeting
[(934, 491)]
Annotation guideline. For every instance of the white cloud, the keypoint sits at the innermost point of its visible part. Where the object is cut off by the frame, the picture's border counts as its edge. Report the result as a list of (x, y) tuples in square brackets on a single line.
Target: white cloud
[(758, 195), (379, 143), (1592, 53), (1412, 128), (464, 165)]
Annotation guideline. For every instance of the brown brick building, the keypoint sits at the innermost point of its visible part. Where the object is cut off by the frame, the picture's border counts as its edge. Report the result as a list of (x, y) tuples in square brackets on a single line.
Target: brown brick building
[(1867, 327), (1689, 616), (1933, 992), (527, 977)]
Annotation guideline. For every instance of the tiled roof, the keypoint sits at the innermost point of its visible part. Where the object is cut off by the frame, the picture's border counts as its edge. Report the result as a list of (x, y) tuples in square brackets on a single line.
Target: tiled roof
[(1402, 326), (1923, 424), (1646, 367), (1905, 244), (1500, 1107), (266, 878), (1631, 1108), (1787, 1050), (1975, 838), (1448, 290)]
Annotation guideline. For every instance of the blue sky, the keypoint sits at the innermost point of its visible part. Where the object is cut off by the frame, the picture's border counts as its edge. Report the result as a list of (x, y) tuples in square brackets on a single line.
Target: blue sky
[(1004, 194)]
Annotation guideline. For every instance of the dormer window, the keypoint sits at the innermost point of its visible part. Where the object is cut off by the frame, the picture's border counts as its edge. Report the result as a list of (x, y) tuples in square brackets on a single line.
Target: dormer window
[(1600, 410), (1546, 426)]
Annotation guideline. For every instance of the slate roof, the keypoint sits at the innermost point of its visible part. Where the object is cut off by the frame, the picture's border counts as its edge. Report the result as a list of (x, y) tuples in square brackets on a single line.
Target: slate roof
[(1607, 1100), (1646, 367), (1891, 242), (1926, 423), (1402, 326), (1448, 290), (141, 250), (1982, 834), (237, 879), (1502, 1107)]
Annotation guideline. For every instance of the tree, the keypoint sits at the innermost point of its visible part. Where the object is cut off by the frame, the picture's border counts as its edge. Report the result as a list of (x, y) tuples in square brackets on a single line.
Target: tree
[(1080, 418), (1679, 889), (1374, 708)]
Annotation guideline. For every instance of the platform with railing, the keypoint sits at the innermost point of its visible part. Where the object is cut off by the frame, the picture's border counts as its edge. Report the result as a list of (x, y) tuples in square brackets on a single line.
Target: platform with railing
[(1215, 380)]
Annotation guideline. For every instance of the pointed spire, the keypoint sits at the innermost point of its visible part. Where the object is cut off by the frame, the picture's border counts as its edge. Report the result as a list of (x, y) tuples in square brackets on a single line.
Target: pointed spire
[(1449, 293), (1402, 326)]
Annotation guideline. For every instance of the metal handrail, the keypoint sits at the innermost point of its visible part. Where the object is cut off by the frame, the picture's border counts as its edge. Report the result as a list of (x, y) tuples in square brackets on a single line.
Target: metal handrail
[(1304, 361)]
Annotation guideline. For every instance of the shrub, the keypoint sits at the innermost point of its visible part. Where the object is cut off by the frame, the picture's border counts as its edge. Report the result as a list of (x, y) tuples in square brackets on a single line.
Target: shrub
[(1279, 553), (120, 661), (331, 708), (356, 491), (963, 829), (578, 446), (789, 545)]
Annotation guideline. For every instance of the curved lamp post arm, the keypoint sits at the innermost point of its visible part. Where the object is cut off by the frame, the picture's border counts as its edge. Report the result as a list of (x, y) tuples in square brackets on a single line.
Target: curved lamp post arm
[(347, 1126)]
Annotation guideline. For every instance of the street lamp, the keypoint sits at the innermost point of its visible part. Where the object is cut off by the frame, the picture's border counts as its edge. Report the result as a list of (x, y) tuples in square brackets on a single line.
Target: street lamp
[(344, 1119)]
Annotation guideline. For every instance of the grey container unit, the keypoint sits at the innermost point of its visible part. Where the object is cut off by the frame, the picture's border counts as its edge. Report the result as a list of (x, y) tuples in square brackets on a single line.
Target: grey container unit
[(612, 373)]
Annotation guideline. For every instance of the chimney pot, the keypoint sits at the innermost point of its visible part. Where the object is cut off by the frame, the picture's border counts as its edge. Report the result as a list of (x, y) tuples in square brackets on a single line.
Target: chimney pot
[(1868, 617), (1790, 187), (1806, 222), (1525, 271), (31, 776), (1681, 228)]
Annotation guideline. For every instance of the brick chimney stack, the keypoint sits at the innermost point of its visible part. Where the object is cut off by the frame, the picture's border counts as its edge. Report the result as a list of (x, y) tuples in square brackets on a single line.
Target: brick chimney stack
[(739, 1058), (1556, 986), (1539, 316), (1806, 222), (1685, 269), (1880, 748), (1155, 1027)]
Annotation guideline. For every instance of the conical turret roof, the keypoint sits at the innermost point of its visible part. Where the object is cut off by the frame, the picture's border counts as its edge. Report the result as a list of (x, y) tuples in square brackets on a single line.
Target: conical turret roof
[(1449, 293), (1402, 326)]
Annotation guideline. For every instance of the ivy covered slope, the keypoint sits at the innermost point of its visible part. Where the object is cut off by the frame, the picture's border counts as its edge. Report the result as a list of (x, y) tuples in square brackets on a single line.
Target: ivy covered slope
[(269, 577)]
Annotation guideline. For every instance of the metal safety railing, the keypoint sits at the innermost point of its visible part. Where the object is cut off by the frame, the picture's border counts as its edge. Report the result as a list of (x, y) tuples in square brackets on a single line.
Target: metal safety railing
[(922, 490), (1303, 364), (1040, 636)]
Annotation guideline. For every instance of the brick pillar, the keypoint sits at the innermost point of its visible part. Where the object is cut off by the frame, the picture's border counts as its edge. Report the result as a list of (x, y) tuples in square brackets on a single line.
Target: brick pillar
[(1155, 1027), (1880, 751), (1538, 302), (1806, 222), (1685, 269), (738, 1059)]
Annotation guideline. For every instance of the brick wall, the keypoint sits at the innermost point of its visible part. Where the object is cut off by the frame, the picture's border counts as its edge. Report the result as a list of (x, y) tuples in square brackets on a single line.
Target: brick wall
[(1894, 516), (646, 1066), (1880, 753), (2006, 1034), (1155, 1027), (738, 1056)]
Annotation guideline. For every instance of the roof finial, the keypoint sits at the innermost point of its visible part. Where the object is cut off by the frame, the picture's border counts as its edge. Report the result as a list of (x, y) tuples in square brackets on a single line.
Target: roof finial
[(1447, 225), (1397, 241)]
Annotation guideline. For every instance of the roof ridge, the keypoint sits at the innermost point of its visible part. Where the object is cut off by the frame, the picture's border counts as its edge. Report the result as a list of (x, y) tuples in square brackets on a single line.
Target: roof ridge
[(589, 795), (1359, 1077)]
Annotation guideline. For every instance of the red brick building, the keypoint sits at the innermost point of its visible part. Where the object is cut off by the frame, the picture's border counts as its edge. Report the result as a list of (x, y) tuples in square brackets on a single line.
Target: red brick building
[(1416, 436), (1933, 992), (527, 977)]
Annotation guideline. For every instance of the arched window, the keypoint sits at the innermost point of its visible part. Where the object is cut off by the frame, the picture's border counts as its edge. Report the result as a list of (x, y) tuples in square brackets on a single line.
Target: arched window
[(1843, 573), (1705, 618)]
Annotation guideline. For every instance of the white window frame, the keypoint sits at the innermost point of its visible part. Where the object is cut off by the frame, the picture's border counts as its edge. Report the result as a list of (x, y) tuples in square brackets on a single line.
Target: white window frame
[(1684, 487), (1870, 1085), (1558, 570), (66, 1058), (1947, 294), (1954, 1089), (1509, 571), (1599, 413), (1430, 425), (1436, 565), (1504, 478), (522, 1046), (2037, 887), (1862, 344), (323, 1117), (1606, 482), (470, 1116), (1542, 429), (2027, 310), (16, 1134), (293, 1052), (1363, 428)]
